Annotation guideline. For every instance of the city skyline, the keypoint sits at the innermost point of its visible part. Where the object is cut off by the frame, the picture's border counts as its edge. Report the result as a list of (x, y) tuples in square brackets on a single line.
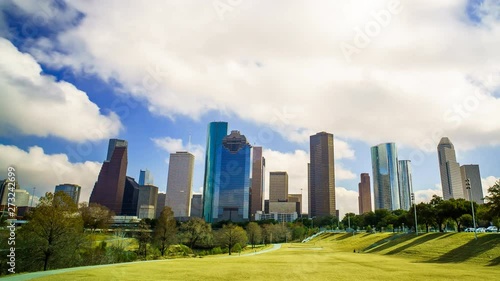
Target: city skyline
[(183, 73)]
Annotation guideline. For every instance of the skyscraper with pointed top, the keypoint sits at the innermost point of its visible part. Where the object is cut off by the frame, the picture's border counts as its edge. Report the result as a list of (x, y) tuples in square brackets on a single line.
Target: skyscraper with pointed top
[(451, 177)]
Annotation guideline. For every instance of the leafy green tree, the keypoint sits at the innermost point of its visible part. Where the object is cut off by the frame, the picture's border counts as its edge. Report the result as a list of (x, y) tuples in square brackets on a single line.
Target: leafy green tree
[(425, 215), (298, 232), (195, 230), (493, 200), (95, 216), (254, 233), (230, 235), (143, 236), (54, 232), (165, 232), (440, 215)]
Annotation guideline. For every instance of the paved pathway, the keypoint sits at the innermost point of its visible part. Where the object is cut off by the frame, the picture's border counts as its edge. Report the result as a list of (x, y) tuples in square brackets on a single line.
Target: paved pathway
[(33, 275)]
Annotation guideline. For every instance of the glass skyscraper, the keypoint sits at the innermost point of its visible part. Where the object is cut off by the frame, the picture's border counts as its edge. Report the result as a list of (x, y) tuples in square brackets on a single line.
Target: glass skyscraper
[(405, 184), (232, 179), (73, 190), (216, 133), (385, 176)]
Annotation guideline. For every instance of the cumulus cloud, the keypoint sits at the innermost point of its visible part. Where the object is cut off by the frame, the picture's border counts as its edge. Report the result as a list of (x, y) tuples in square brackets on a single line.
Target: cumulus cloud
[(37, 104), (188, 60), (347, 201), (172, 145), (487, 183), (425, 195), (35, 168)]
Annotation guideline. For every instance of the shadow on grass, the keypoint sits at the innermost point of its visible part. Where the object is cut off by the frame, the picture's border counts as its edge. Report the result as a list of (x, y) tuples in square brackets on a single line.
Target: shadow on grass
[(416, 241), (495, 261), (385, 243), (472, 249), (344, 236)]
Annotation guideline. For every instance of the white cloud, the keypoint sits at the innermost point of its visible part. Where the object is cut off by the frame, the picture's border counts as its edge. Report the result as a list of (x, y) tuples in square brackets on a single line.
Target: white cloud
[(34, 168), (347, 201), (35, 104), (487, 183), (425, 195), (182, 59), (172, 145)]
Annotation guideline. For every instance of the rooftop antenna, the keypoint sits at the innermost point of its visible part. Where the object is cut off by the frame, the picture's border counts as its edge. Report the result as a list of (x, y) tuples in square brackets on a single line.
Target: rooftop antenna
[(189, 142)]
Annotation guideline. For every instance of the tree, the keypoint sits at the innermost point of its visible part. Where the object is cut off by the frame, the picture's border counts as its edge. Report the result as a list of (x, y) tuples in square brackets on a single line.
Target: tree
[(438, 211), (425, 215), (455, 208), (143, 238), (493, 200), (195, 230), (254, 233), (166, 230), (95, 216), (231, 234), (54, 232)]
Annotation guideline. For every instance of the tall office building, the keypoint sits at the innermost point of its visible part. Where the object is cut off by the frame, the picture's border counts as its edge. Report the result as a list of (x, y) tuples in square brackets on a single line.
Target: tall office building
[(232, 182), (180, 183), (216, 133), (451, 178), (110, 185), (365, 195), (73, 190), (113, 143), (405, 184), (257, 183), (160, 203), (278, 186), (321, 175), (471, 172), (196, 206), (130, 197), (385, 176), (146, 203), (145, 177)]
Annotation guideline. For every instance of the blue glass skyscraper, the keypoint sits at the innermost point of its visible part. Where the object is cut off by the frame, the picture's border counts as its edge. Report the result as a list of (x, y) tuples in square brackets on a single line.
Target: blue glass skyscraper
[(385, 176), (405, 184), (232, 182), (216, 133)]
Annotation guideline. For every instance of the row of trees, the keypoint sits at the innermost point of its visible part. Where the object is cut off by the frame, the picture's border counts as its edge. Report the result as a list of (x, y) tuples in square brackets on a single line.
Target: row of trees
[(435, 214)]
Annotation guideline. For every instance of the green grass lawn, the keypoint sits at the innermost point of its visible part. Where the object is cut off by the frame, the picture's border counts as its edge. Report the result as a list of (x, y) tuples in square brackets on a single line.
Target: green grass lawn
[(330, 257)]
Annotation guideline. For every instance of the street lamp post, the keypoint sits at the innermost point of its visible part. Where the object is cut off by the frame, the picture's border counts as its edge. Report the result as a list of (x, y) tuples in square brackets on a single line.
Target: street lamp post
[(467, 186), (415, 211), (32, 196)]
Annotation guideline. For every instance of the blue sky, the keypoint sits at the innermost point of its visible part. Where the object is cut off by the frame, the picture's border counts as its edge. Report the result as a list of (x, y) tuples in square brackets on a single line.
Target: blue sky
[(368, 71)]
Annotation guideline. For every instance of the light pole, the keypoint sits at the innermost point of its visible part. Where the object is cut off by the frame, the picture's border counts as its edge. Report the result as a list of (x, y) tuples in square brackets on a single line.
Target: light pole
[(415, 210), (467, 186), (32, 196)]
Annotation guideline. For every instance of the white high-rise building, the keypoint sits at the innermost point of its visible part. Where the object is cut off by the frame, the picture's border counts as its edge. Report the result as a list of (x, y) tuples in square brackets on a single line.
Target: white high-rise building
[(451, 177), (179, 183)]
